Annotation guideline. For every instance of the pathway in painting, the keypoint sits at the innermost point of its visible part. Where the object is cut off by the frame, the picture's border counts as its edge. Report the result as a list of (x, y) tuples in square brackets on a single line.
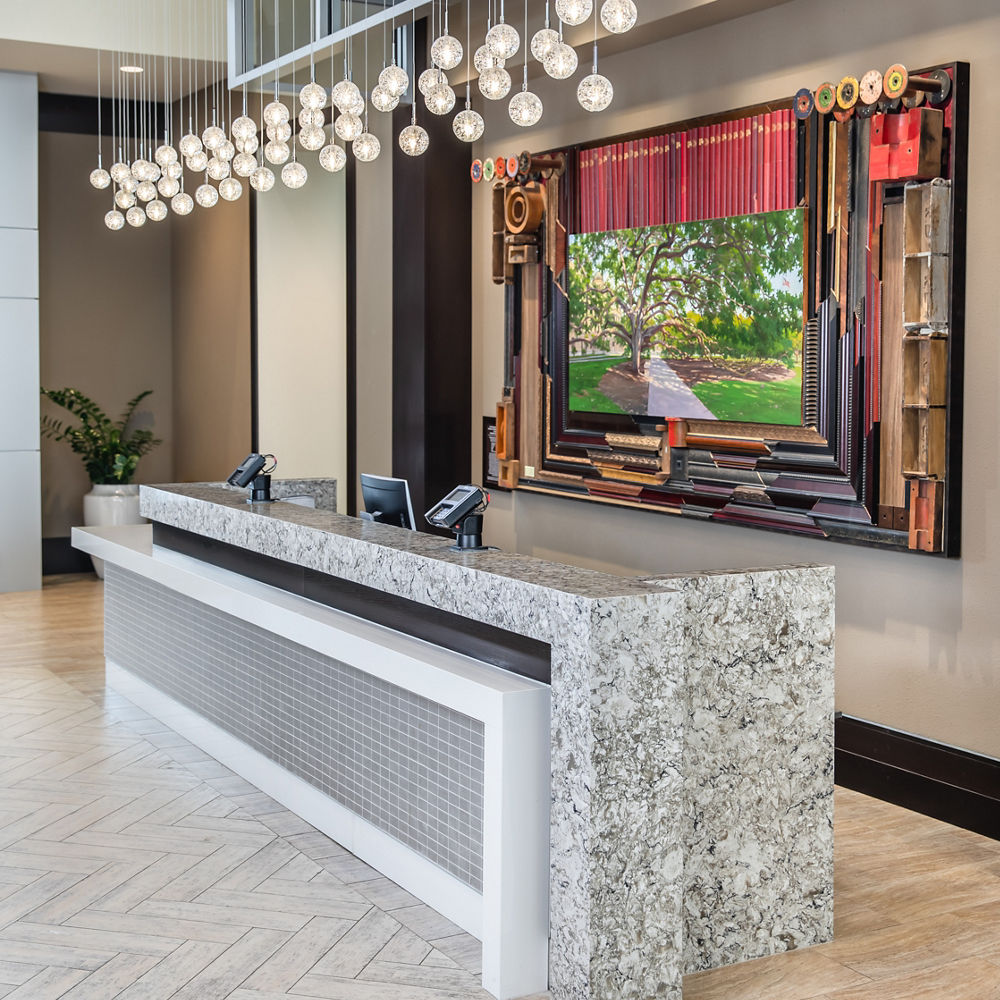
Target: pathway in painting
[(669, 396)]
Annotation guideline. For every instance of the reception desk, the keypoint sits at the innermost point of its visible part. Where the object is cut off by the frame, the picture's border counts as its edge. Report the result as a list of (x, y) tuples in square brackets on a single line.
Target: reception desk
[(610, 781)]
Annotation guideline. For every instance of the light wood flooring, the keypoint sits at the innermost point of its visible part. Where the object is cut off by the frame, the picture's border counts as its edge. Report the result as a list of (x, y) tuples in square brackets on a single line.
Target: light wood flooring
[(133, 866)]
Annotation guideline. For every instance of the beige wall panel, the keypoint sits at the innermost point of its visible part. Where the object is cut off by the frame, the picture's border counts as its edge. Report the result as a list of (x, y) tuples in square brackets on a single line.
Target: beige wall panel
[(210, 289), (301, 326), (918, 645), (104, 311)]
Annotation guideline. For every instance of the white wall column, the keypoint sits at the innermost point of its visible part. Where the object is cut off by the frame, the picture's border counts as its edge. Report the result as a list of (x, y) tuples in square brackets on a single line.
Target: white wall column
[(20, 499)]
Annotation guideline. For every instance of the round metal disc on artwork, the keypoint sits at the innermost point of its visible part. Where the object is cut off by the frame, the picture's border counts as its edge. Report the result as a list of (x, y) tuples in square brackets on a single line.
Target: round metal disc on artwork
[(524, 163), (804, 104), (945, 80), (864, 110), (488, 170), (885, 106), (913, 98), (841, 115), (826, 97), (476, 171), (847, 93), (871, 86), (895, 80), (511, 166), (500, 166)]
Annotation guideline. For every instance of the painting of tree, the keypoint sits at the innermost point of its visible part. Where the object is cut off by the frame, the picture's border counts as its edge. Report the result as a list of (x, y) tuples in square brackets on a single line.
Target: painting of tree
[(727, 291)]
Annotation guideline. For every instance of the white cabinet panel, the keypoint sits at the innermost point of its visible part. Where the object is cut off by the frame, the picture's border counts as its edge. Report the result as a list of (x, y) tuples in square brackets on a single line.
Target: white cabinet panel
[(19, 375), (19, 127), (20, 522), (19, 263)]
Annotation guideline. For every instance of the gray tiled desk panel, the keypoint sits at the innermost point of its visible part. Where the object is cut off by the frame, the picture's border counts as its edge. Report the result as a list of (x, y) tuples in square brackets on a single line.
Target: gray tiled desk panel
[(408, 765)]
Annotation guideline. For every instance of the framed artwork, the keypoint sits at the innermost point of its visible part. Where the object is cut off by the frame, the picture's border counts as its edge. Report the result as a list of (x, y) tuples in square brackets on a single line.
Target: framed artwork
[(754, 318)]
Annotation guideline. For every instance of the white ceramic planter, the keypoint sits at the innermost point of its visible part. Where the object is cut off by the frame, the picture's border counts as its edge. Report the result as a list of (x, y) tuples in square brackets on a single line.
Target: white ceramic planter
[(110, 504)]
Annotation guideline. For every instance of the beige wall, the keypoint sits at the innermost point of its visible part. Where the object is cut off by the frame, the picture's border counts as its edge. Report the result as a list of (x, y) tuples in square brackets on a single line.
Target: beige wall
[(301, 325), (210, 295), (918, 639), (105, 317), (374, 305)]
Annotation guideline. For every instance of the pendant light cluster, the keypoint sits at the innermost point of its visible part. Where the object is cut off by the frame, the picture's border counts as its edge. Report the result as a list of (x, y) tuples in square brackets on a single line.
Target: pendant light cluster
[(147, 179)]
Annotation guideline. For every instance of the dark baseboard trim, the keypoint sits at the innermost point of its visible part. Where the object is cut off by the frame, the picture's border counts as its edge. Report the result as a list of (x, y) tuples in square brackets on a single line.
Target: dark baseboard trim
[(59, 556), (956, 786)]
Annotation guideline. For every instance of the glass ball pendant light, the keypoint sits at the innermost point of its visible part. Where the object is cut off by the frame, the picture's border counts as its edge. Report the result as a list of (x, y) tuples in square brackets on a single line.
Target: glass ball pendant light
[(100, 178), (440, 99), (394, 79), (156, 210), (345, 94), (119, 171), (332, 158), (225, 150), (213, 137), (276, 152), (429, 79), (114, 220), (312, 138), (244, 164), (561, 63), (242, 129), (354, 105), (124, 199), (383, 99), (129, 184), (197, 161), (249, 145), (173, 171), (348, 127), (545, 39), (468, 124), (206, 195), (275, 113), (312, 96), (135, 216), (618, 16), (413, 140), (484, 59), (494, 83), (165, 154), (309, 118), (189, 144), (262, 179), (574, 11), (366, 147), (230, 189), (294, 175), (281, 132), (525, 108), (182, 204), (595, 92), (502, 39), (217, 169), (446, 51), (146, 191), (168, 187)]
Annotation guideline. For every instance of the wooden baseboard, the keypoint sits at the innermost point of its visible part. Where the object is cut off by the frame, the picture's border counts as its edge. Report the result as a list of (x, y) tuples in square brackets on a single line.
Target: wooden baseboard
[(956, 786)]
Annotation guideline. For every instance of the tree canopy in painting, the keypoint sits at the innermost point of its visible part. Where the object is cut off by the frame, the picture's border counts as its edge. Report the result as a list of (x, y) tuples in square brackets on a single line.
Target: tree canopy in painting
[(728, 287)]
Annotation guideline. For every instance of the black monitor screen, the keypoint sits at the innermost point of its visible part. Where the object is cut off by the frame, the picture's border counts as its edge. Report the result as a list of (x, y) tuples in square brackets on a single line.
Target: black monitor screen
[(388, 500)]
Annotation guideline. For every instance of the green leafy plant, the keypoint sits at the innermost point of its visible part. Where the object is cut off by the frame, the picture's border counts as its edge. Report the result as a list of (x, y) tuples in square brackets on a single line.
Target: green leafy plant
[(109, 448)]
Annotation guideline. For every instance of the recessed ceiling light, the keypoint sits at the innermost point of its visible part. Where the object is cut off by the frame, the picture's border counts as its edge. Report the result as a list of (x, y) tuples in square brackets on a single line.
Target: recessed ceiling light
[(130, 69)]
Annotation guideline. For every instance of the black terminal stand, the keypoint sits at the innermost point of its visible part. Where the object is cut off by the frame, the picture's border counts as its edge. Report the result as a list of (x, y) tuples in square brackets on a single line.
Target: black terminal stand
[(469, 534), (260, 490)]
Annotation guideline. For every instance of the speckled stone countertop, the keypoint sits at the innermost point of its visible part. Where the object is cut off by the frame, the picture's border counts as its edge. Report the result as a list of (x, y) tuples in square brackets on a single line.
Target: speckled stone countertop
[(692, 735)]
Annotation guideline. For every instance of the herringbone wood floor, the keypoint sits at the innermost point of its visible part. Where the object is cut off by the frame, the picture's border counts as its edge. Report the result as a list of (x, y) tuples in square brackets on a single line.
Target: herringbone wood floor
[(134, 867)]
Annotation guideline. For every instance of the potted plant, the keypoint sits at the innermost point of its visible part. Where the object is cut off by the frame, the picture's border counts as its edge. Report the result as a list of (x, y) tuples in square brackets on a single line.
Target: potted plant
[(110, 450)]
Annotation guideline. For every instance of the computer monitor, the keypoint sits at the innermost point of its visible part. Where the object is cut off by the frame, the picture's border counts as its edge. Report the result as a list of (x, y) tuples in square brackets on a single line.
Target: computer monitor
[(387, 500)]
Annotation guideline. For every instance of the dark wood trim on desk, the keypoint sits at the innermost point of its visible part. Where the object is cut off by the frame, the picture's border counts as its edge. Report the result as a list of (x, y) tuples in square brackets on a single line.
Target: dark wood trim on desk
[(956, 786), (509, 650)]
